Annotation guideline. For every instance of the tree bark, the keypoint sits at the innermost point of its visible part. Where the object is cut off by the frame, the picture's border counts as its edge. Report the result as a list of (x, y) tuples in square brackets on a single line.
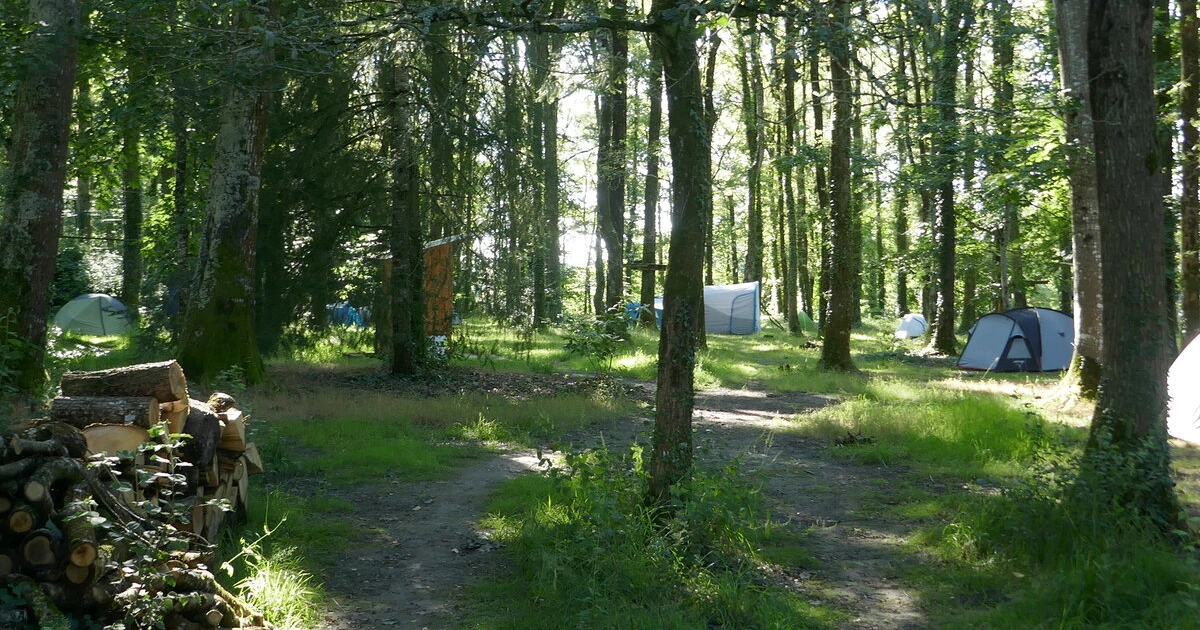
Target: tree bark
[(163, 380), (1131, 411), (1072, 18), (647, 318), (835, 352), (1189, 109), (35, 177), (407, 305), (691, 205), (219, 326)]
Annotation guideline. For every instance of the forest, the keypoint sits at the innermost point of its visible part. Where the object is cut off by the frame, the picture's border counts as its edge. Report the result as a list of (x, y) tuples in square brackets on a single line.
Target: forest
[(232, 171)]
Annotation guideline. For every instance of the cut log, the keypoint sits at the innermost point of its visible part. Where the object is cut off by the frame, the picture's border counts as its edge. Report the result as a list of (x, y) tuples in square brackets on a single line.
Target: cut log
[(220, 402), (233, 435), (115, 439), (175, 413), (75, 522), (21, 519), (39, 439), (51, 472), (254, 462), (8, 563), (19, 469), (163, 381), (47, 613), (204, 427), (40, 549), (81, 411)]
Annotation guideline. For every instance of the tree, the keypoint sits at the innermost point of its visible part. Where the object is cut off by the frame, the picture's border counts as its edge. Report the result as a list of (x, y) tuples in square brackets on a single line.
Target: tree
[(1129, 422), (219, 326), (1189, 106), (956, 21), (835, 352), (647, 317), (34, 181), (1072, 20), (407, 306), (674, 42)]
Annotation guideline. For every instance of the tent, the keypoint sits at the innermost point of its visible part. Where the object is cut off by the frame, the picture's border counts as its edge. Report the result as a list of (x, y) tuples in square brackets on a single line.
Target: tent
[(911, 325), (94, 314), (729, 309), (1020, 340), (732, 309), (1183, 410)]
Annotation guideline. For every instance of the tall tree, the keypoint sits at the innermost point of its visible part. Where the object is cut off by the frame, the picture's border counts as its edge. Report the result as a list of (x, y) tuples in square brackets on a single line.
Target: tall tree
[(1189, 202), (613, 117), (407, 305), (835, 352), (955, 22), (751, 71), (34, 182), (674, 42), (647, 317), (219, 325), (1072, 19), (1129, 422)]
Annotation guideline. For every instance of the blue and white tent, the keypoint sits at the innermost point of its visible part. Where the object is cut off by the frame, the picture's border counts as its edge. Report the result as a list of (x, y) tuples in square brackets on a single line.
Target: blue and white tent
[(1020, 340)]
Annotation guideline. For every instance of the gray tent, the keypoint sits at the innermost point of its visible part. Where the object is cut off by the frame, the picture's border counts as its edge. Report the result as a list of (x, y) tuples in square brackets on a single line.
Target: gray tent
[(1020, 340), (94, 314)]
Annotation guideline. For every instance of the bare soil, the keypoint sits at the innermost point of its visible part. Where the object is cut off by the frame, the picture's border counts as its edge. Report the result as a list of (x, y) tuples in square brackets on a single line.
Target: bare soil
[(424, 543)]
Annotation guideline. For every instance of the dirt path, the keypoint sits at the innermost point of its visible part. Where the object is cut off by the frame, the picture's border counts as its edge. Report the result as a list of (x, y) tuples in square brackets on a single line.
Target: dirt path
[(424, 544)]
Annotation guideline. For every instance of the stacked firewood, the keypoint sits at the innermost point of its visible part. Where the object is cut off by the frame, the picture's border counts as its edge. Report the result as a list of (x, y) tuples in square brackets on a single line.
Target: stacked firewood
[(109, 506)]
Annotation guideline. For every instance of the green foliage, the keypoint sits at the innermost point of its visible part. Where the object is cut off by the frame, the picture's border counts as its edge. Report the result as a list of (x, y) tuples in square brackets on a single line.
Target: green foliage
[(274, 582), (598, 339), (14, 351), (587, 548)]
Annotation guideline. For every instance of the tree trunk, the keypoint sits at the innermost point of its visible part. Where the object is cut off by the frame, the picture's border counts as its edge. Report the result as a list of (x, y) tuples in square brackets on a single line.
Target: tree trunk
[(408, 321), (691, 205), (1130, 415), (610, 180), (750, 68), (1071, 19), (1189, 109), (835, 352), (131, 193), (219, 327), (34, 182), (957, 21), (647, 318)]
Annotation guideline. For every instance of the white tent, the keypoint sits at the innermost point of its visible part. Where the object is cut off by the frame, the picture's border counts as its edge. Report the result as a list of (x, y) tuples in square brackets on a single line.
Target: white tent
[(911, 325), (93, 314), (1020, 340), (1183, 411), (732, 309)]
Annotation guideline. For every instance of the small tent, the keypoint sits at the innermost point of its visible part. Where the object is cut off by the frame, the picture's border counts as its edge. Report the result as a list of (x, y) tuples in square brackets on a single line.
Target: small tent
[(729, 309), (911, 325), (94, 314), (732, 309), (1183, 410), (1020, 340)]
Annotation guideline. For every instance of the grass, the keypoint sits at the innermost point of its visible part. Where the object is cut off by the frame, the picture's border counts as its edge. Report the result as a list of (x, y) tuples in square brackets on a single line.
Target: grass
[(979, 472)]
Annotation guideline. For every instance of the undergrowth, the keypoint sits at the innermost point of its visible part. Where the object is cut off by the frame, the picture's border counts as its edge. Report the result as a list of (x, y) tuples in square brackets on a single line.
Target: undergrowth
[(584, 547)]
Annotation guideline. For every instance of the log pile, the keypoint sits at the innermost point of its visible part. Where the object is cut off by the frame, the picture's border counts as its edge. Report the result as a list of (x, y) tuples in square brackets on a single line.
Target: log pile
[(109, 507)]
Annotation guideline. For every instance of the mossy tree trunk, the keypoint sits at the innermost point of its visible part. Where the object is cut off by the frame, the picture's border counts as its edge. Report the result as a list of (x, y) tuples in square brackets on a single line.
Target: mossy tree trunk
[(674, 42), (33, 188), (1127, 449), (219, 326)]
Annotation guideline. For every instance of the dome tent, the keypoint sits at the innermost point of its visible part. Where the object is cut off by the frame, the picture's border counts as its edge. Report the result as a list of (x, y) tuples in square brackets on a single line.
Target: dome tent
[(1183, 410), (1028, 339), (911, 325), (94, 314)]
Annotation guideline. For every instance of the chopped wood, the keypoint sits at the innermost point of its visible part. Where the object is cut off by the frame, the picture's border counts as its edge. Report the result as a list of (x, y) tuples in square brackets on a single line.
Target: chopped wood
[(233, 435), (163, 381), (254, 462), (21, 518), (175, 413), (48, 432), (45, 610), (81, 411), (8, 563), (115, 439), (220, 401), (78, 532), (41, 549), (43, 479), (17, 469), (204, 427)]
